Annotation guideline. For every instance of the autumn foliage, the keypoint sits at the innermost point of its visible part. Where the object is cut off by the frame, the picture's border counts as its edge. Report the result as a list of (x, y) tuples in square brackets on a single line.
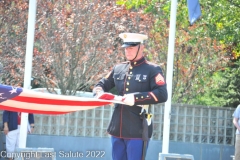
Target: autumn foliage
[(76, 42)]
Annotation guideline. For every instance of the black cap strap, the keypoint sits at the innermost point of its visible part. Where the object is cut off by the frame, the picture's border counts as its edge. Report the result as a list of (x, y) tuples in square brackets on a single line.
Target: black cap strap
[(132, 43), (136, 54)]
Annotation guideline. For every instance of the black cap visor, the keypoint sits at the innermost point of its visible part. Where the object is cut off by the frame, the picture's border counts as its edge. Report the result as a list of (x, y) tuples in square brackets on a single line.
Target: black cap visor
[(130, 44)]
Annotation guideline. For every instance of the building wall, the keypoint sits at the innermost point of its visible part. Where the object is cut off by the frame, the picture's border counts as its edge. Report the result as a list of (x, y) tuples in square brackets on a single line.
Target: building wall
[(189, 123), (205, 132)]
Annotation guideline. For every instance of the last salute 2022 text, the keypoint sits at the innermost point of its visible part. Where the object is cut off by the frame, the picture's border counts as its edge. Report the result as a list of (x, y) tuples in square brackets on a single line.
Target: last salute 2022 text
[(82, 154)]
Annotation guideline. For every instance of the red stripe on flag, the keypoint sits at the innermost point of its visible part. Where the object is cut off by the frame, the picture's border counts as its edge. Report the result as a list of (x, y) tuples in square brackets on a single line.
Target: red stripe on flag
[(59, 101), (30, 111)]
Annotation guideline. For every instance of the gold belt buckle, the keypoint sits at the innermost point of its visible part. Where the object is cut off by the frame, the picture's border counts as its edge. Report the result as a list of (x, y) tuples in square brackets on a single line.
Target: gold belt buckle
[(148, 117)]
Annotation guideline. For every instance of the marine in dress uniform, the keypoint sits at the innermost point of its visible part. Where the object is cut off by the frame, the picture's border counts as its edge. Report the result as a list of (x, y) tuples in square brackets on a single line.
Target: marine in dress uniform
[(140, 83)]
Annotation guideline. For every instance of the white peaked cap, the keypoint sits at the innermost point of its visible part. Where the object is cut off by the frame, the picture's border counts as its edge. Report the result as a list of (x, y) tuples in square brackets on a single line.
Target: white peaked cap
[(133, 37)]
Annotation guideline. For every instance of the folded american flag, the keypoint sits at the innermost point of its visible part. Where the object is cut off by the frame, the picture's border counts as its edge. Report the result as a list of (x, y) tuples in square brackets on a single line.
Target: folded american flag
[(29, 101)]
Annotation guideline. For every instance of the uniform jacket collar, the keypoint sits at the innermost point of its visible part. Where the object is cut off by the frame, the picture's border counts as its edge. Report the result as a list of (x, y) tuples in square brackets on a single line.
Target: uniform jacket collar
[(138, 62)]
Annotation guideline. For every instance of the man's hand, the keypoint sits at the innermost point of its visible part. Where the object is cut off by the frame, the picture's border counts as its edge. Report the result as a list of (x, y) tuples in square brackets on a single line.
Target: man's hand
[(31, 128), (128, 99), (97, 91), (5, 130)]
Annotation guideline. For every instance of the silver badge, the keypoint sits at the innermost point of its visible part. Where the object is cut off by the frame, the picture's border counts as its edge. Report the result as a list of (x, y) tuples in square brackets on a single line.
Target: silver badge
[(138, 77), (144, 77)]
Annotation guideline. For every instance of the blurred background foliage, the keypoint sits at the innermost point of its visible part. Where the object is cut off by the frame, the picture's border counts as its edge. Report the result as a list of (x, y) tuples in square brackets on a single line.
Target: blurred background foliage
[(77, 43)]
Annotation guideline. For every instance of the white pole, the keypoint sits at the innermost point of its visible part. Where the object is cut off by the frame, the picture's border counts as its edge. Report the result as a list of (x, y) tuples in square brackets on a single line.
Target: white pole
[(169, 76), (28, 67), (1, 69)]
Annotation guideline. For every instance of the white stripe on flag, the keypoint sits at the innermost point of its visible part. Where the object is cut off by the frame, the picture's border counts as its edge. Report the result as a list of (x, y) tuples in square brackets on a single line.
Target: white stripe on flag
[(43, 107)]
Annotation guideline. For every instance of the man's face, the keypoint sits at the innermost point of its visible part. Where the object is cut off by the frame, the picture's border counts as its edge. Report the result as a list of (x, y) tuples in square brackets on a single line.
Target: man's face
[(130, 52)]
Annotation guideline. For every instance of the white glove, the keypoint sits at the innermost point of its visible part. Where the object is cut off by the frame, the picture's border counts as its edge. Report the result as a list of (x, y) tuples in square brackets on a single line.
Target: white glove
[(97, 91), (128, 99)]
